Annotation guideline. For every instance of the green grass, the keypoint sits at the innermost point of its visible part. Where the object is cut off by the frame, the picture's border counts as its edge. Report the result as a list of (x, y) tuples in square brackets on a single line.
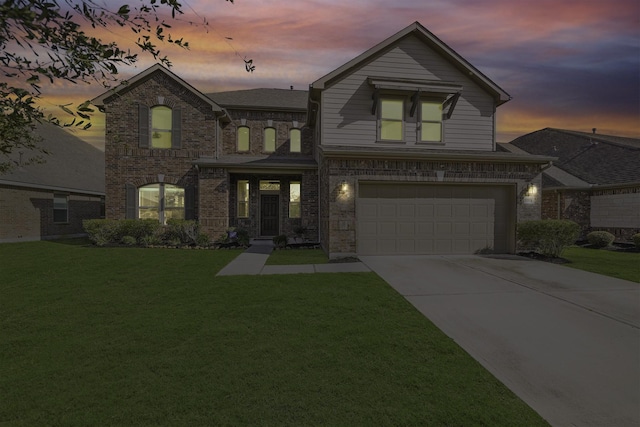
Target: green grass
[(610, 263), (297, 256), (113, 336)]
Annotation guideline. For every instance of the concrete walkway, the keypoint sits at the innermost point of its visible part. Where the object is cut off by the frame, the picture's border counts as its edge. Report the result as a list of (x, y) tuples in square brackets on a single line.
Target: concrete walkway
[(252, 262)]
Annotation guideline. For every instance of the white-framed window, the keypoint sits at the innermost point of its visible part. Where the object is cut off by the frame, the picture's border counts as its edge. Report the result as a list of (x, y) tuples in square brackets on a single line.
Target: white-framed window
[(161, 126), (294, 199), (269, 140), (161, 201), (391, 119), (60, 208), (295, 141), (243, 138), (243, 198), (430, 121)]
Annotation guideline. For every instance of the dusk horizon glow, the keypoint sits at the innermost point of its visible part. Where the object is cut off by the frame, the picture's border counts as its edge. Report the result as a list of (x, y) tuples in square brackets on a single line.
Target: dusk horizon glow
[(571, 65)]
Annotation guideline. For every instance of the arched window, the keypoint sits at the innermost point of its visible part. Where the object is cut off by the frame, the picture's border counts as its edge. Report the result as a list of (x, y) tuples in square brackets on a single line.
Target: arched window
[(161, 201), (269, 140), (161, 126), (243, 138), (294, 141)]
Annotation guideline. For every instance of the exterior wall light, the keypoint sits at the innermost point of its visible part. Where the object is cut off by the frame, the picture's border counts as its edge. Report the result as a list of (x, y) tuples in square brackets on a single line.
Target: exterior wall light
[(532, 190)]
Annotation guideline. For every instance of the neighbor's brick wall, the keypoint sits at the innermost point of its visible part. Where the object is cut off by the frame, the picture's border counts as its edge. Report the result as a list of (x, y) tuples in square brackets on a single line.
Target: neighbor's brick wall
[(27, 214), (338, 212), (617, 211), (126, 163)]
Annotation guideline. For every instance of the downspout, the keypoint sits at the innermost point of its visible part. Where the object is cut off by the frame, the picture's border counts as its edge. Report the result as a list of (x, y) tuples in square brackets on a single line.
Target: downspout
[(317, 156)]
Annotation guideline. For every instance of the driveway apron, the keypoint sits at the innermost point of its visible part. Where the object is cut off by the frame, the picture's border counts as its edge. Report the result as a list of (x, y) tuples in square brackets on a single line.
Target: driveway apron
[(565, 341)]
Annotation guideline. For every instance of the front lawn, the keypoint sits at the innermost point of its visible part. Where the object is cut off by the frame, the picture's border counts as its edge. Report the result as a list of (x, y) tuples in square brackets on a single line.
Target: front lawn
[(129, 336), (610, 263)]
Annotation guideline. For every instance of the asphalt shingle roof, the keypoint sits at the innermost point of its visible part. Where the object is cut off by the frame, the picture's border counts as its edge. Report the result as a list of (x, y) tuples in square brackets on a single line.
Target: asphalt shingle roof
[(72, 164), (594, 158), (279, 99)]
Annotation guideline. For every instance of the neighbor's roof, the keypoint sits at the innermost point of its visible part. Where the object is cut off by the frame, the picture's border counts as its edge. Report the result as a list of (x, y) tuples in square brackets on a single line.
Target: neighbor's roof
[(73, 165), (593, 158), (262, 99), (432, 41)]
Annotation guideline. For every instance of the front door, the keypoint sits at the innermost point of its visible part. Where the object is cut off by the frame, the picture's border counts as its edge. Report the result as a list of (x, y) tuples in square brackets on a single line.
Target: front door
[(269, 214)]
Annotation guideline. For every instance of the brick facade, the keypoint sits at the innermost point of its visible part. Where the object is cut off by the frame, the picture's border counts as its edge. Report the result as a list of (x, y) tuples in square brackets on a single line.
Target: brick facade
[(338, 210), (579, 206), (29, 214)]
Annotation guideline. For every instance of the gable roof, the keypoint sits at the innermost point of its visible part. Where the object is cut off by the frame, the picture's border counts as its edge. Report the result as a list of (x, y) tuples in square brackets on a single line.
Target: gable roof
[(593, 158), (73, 165), (434, 43), (272, 99), (146, 74)]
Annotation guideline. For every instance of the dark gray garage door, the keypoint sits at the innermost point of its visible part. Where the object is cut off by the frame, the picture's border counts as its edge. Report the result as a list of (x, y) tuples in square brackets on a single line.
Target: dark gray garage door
[(400, 219)]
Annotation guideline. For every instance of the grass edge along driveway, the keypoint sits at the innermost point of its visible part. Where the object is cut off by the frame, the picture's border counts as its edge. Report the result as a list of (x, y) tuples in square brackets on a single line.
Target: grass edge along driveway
[(92, 336)]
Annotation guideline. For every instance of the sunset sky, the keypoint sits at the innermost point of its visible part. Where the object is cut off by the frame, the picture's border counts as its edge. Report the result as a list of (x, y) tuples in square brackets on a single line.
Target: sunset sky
[(567, 64)]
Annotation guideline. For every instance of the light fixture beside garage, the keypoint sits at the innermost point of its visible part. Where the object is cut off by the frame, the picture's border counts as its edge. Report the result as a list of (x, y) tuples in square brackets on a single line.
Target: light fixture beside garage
[(343, 189)]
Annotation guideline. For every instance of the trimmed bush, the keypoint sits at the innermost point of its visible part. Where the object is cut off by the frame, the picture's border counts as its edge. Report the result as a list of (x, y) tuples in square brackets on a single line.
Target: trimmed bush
[(203, 240), (138, 228), (548, 236), (600, 239), (636, 240), (280, 241), (129, 241), (102, 231), (183, 231)]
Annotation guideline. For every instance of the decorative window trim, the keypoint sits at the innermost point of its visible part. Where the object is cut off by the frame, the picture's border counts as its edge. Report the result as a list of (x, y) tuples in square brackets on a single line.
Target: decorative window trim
[(60, 208), (240, 131)]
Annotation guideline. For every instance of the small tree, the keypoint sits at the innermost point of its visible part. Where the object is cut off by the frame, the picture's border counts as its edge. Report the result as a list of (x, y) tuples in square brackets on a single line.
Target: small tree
[(549, 236)]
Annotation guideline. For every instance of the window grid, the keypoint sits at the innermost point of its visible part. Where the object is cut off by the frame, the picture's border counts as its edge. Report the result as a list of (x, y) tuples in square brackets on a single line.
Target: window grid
[(391, 122)]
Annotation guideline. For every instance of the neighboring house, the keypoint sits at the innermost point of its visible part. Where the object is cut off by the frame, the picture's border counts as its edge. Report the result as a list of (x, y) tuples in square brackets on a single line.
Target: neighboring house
[(595, 180), (392, 153), (50, 200)]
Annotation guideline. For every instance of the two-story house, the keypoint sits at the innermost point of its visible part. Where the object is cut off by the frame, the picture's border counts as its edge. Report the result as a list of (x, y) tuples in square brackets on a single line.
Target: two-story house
[(391, 153)]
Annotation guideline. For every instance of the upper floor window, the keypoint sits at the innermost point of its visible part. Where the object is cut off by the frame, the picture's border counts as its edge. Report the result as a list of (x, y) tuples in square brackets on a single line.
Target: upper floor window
[(60, 208), (430, 121), (161, 126), (243, 138), (243, 199), (161, 201), (269, 140), (294, 141), (391, 122)]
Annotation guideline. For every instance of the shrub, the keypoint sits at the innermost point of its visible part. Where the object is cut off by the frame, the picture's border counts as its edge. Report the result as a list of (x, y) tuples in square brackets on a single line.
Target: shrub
[(243, 236), (636, 240), (549, 236), (182, 230), (280, 241), (600, 239), (203, 240), (151, 240), (138, 228), (129, 241), (102, 231)]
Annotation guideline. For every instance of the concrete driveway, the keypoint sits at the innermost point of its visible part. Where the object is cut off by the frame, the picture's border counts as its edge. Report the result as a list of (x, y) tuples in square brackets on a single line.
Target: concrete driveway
[(565, 341)]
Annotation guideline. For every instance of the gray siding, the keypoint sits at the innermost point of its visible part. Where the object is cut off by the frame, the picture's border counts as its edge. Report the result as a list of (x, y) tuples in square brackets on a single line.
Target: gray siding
[(346, 104)]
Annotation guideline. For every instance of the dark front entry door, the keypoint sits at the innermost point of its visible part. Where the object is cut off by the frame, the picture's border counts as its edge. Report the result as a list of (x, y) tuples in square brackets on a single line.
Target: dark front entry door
[(269, 208)]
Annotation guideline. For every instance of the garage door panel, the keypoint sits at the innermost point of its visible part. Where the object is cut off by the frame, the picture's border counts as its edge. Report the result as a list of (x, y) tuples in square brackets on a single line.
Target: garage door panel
[(435, 218)]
